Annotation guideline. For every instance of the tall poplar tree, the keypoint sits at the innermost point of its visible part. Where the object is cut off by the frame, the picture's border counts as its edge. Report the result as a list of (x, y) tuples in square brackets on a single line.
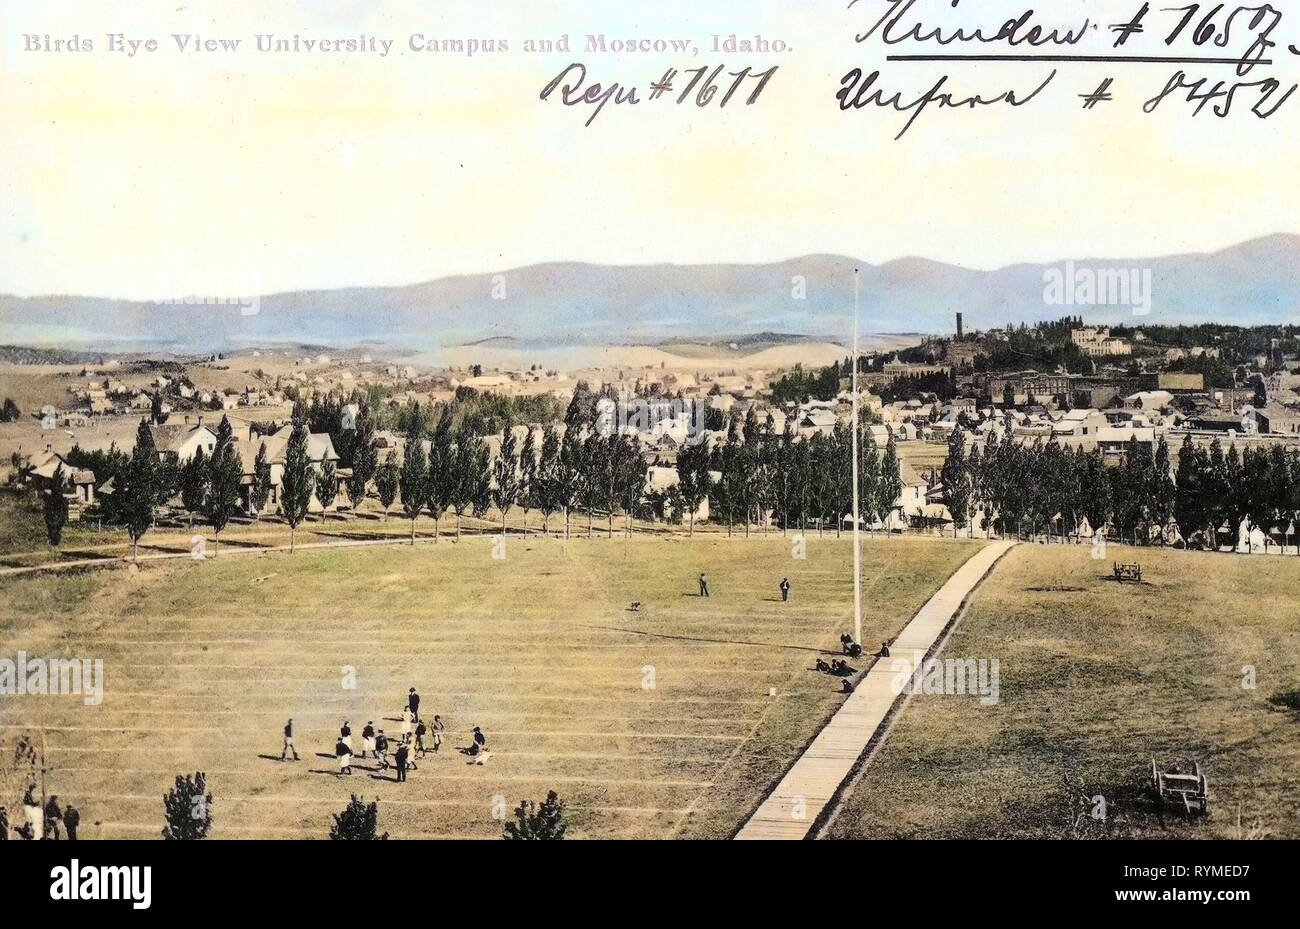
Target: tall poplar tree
[(296, 484)]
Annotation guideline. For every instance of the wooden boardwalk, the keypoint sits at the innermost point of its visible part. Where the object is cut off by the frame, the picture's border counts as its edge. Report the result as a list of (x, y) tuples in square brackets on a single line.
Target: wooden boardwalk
[(799, 800)]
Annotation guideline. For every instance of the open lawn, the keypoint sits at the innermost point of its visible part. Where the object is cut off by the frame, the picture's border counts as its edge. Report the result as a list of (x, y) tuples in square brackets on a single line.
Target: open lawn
[(205, 660), (1096, 679)]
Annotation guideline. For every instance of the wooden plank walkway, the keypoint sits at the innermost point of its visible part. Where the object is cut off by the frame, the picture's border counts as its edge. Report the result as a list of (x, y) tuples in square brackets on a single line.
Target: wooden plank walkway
[(798, 801)]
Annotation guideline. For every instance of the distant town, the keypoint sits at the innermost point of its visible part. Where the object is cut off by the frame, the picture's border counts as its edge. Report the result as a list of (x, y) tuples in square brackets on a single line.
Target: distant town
[(704, 443)]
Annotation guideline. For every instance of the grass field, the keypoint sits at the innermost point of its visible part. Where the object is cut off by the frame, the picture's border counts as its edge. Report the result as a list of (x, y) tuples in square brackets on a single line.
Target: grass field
[(1096, 680), (205, 661)]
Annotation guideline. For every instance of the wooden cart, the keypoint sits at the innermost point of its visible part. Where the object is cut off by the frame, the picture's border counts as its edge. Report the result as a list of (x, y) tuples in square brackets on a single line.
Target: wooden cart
[(1128, 572), (1191, 791)]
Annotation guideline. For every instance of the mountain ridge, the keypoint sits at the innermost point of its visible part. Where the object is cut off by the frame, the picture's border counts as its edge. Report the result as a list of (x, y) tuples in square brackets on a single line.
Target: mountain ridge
[(1251, 283)]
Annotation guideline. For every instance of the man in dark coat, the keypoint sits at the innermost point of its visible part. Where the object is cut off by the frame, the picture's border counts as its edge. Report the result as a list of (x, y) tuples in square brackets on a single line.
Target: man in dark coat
[(71, 820)]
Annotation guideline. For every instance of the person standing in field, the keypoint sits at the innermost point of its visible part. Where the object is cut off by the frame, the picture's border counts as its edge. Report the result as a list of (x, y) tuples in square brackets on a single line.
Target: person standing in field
[(381, 750), (288, 742), (53, 818), (785, 589), (420, 730), (345, 735), (704, 585), (413, 703), (401, 758), (343, 752), (71, 820), (438, 728), (368, 739)]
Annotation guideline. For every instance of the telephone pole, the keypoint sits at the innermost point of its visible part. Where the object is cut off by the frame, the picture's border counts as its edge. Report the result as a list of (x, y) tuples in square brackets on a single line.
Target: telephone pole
[(857, 542)]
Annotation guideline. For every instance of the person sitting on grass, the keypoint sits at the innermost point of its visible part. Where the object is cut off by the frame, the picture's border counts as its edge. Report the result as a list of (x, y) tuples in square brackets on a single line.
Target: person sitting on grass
[(850, 647), (34, 828), (478, 748), (884, 650), (823, 667), (846, 687)]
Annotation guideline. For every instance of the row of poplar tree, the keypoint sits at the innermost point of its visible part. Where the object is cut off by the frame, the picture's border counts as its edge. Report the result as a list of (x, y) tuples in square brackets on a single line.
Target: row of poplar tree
[(1045, 488), (750, 475)]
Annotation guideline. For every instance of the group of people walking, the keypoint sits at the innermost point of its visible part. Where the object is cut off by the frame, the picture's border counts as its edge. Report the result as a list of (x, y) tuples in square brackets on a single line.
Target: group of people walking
[(415, 740), (411, 743)]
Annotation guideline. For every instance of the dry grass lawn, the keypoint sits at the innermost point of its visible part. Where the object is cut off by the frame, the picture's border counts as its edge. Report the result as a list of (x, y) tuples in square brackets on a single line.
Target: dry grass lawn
[(1097, 679), (205, 661)]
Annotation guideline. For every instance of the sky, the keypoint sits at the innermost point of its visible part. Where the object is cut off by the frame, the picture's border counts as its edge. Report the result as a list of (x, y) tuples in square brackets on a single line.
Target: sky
[(136, 176)]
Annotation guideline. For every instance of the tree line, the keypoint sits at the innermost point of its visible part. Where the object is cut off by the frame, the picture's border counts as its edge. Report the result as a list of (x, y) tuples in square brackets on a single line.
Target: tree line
[(751, 474), (1044, 488)]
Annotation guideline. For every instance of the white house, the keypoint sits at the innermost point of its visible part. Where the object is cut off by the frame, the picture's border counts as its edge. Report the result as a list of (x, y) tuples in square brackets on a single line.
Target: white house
[(181, 440), (664, 479)]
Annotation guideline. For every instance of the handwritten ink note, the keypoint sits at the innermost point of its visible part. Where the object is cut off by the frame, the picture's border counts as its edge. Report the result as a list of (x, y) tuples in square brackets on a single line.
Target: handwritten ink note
[(1217, 59)]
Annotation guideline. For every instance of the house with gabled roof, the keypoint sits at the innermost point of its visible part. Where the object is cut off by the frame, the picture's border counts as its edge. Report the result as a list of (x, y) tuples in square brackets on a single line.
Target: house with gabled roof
[(320, 448), (180, 440), (41, 468)]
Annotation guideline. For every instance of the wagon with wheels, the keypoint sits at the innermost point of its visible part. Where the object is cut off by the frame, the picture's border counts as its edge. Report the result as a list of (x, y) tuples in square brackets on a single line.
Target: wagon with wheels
[(1176, 787), (1128, 572)]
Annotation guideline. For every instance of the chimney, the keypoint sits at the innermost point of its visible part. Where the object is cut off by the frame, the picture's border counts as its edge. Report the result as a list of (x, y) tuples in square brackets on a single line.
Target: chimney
[(958, 327)]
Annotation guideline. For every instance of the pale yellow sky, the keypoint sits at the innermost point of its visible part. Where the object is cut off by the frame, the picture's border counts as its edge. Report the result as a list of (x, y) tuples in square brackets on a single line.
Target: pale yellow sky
[(136, 176)]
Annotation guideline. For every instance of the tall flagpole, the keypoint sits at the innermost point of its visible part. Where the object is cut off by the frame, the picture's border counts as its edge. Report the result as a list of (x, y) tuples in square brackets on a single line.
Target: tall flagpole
[(857, 542)]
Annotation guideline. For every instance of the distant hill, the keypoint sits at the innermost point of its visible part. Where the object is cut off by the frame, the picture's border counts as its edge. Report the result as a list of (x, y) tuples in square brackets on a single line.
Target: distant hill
[(1256, 282)]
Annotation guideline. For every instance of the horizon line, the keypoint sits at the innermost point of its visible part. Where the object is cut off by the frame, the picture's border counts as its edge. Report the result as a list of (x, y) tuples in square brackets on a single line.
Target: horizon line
[(865, 265)]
